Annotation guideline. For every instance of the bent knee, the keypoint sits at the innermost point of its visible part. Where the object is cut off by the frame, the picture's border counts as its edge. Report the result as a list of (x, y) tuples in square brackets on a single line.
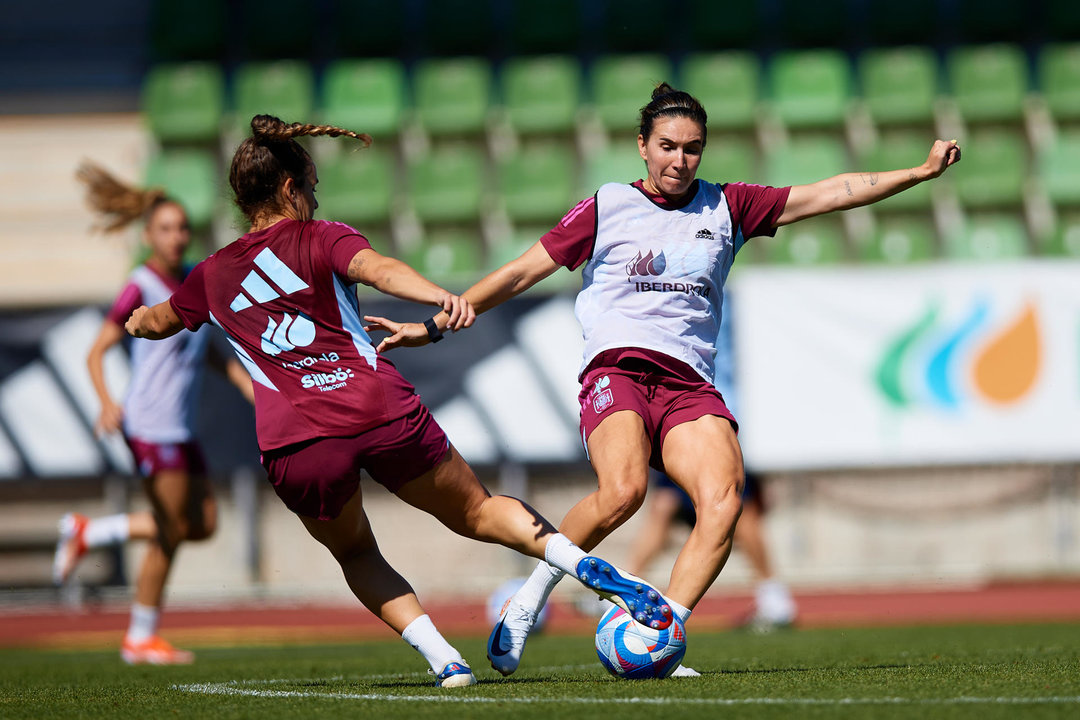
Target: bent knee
[(720, 503), (622, 500)]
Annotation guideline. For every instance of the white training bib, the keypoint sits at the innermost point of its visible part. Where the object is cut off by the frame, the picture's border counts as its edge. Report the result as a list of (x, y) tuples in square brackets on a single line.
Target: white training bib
[(655, 279)]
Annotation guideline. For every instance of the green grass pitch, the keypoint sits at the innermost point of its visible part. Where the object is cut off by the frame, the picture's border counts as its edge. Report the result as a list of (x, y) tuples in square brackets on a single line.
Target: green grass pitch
[(1029, 671)]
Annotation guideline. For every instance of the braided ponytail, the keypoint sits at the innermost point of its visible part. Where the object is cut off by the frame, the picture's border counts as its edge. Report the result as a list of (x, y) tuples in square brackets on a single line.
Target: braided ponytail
[(270, 129), (668, 102), (120, 204), (263, 161)]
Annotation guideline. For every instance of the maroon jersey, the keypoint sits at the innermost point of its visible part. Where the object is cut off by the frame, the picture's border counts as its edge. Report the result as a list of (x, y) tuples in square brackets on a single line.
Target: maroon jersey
[(283, 298)]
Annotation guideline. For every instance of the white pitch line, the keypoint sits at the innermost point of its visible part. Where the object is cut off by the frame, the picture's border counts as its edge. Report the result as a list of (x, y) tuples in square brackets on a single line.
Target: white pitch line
[(230, 689)]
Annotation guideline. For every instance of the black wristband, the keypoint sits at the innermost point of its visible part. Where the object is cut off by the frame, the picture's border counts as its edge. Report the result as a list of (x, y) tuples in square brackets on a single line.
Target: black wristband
[(433, 332)]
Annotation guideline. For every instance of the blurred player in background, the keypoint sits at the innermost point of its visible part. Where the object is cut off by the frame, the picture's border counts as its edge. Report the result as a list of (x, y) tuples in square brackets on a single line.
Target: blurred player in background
[(328, 406), (656, 254), (157, 417), (668, 504)]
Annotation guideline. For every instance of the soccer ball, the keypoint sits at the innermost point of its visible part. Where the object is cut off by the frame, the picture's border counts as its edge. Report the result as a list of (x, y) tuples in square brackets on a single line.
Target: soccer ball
[(630, 650), (504, 592)]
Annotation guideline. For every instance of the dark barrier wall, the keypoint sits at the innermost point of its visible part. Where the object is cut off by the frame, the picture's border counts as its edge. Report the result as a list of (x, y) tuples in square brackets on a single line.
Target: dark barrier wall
[(47, 405)]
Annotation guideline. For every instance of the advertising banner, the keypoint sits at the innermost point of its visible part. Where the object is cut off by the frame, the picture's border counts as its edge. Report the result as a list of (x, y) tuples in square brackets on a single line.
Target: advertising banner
[(950, 364)]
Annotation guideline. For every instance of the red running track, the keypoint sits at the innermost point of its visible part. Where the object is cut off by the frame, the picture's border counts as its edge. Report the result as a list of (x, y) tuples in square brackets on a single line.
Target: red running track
[(265, 622)]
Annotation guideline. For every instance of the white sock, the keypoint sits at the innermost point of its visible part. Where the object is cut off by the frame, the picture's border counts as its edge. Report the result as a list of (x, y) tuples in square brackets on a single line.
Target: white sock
[(774, 601), (144, 622), (681, 612), (534, 593), (108, 530), (563, 554), (423, 636)]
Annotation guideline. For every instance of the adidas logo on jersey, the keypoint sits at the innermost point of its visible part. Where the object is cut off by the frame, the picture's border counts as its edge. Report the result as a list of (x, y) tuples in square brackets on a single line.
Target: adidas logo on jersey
[(257, 289), (705, 234)]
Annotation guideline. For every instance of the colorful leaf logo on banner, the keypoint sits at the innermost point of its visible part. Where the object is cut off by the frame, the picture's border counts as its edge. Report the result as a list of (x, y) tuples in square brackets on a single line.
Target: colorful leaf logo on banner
[(1006, 368), (890, 371), (1003, 368)]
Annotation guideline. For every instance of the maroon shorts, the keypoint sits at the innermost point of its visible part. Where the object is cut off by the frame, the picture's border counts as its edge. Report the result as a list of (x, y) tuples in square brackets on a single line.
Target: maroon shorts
[(151, 458), (318, 476), (661, 397)]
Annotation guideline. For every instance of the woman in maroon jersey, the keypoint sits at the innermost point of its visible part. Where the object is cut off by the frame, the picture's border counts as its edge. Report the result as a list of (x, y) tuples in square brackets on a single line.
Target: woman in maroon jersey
[(655, 254), (327, 405)]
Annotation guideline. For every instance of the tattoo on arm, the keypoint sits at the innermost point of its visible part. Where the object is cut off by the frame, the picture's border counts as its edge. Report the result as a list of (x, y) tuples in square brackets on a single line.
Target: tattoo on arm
[(354, 267), (847, 187), (912, 176), (869, 178)]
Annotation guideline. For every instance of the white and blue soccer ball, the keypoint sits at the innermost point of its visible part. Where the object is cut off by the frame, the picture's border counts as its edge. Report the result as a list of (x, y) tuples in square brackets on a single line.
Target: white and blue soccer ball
[(504, 592), (633, 651)]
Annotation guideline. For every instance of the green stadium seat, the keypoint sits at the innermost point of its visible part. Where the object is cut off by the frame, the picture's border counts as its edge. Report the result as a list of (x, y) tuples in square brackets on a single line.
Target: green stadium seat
[(1064, 241), (285, 89), (899, 85), (537, 184), (899, 239), (1059, 169), (811, 88), (721, 26), (541, 94), (729, 160), (817, 241), (619, 163), (805, 160), (896, 151), (356, 187), (727, 84), (1059, 79), (184, 103), (452, 95), (452, 257), (994, 170), (989, 237), (622, 85), (551, 26), (191, 177), (988, 82), (447, 185), (365, 95)]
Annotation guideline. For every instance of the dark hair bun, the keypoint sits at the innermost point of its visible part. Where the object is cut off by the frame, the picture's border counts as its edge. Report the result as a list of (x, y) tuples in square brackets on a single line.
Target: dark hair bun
[(661, 90), (269, 127)]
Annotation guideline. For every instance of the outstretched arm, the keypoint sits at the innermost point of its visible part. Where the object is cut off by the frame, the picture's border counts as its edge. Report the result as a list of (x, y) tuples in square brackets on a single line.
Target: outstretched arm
[(851, 190), (500, 285), (154, 323), (393, 277)]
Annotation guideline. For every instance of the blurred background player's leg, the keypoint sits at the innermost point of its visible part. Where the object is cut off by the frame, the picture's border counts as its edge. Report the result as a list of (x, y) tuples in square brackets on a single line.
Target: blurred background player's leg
[(774, 606)]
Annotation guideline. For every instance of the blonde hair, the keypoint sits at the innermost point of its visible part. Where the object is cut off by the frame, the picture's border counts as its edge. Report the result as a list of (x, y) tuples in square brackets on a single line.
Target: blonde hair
[(264, 160), (120, 204)]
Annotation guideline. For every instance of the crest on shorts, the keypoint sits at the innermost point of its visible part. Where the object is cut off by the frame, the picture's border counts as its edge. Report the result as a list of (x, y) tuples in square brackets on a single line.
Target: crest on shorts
[(602, 398)]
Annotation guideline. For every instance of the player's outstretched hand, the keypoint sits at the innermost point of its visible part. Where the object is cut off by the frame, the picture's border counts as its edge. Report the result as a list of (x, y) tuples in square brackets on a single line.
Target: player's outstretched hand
[(401, 334), (943, 154), (460, 311), (136, 324)]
